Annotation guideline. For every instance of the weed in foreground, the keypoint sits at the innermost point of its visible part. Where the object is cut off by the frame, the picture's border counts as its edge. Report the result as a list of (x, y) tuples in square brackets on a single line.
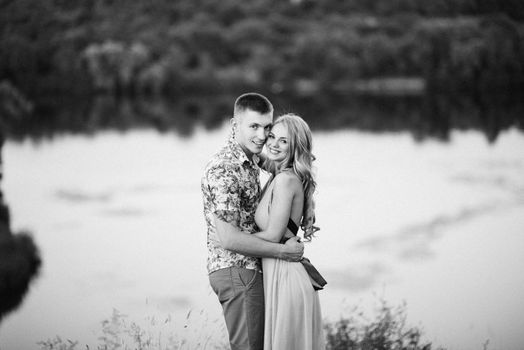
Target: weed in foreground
[(387, 330), (118, 333)]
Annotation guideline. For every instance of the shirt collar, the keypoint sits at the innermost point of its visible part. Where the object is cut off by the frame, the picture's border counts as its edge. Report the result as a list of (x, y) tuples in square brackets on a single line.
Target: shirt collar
[(239, 153)]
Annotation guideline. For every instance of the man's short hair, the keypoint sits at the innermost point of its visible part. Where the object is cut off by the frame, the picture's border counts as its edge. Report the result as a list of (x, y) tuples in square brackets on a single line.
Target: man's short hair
[(253, 101)]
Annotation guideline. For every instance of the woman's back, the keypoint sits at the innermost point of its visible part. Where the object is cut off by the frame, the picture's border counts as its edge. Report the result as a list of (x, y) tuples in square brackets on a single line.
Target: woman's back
[(276, 192)]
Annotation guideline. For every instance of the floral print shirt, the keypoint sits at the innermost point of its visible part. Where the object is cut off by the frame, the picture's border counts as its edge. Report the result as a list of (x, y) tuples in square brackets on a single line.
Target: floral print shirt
[(231, 191)]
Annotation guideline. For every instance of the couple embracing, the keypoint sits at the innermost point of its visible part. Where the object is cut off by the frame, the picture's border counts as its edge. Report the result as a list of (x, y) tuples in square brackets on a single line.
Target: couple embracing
[(250, 231)]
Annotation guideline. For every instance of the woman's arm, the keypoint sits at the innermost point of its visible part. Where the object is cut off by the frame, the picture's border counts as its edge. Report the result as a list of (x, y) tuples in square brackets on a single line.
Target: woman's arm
[(231, 238), (284, 191)]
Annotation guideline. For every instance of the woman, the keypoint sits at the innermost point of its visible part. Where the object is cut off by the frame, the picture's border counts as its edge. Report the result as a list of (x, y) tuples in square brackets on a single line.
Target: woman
[(293, 317)]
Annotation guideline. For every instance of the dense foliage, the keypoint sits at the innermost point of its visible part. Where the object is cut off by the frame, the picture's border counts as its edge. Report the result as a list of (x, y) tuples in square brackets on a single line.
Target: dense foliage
[(158, 46)]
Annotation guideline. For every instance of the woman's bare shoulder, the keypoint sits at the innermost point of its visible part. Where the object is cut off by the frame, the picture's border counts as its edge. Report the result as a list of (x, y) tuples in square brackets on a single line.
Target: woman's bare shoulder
[(288, 179)]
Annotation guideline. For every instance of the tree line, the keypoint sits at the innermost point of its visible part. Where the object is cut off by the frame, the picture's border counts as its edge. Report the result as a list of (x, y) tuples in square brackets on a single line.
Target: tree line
[(162, 46), (424, 117)]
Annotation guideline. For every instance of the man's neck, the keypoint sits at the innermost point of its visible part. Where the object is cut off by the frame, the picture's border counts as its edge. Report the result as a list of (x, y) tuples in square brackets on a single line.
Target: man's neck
[(244, 149)]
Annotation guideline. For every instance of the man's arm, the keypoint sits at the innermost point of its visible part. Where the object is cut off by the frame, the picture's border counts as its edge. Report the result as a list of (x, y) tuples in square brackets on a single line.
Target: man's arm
[(231, 238)]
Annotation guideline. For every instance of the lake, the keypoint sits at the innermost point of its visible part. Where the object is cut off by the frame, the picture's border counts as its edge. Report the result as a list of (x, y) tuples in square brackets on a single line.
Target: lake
[(429, 214)]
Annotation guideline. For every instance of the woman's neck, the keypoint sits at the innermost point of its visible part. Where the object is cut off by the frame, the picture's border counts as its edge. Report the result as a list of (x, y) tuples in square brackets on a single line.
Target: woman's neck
[(279, 170)]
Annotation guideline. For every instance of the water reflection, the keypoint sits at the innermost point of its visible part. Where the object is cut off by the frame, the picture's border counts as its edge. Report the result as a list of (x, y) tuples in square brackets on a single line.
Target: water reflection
[(414, 242), (429, 116)]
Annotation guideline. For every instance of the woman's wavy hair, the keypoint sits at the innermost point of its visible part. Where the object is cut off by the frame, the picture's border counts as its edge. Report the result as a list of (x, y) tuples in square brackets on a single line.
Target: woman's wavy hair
[(300, 158)]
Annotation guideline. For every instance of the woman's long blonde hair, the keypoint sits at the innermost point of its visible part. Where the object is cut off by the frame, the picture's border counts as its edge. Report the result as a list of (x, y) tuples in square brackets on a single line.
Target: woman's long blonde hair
[(300, 158)]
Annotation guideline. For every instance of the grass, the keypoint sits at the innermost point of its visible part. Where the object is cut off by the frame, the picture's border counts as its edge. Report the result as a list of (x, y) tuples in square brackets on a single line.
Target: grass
[(386, 330), (118, 332)]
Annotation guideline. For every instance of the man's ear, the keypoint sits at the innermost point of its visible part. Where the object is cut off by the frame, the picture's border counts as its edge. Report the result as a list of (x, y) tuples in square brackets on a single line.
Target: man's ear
[(234, 123)]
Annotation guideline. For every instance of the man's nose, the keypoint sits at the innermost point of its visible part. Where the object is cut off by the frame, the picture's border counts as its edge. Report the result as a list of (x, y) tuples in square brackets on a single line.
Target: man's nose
[(261, 133)]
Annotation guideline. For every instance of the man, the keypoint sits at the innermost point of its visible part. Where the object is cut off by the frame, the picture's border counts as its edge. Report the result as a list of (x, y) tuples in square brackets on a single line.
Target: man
[(231, 190)]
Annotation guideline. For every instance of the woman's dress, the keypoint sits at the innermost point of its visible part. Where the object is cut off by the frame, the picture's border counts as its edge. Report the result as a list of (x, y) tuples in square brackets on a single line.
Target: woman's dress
[(293, 319)]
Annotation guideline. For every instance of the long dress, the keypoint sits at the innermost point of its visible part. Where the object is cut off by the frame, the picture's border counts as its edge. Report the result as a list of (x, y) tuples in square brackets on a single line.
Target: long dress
[(293, 319)]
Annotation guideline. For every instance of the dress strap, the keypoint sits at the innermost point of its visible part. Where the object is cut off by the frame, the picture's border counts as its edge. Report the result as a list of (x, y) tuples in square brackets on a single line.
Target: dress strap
[(292, 226)]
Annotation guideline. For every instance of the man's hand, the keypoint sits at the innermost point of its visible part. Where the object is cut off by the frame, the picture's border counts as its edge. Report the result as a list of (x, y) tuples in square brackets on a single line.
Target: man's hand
[(292, 250), (231, 238)]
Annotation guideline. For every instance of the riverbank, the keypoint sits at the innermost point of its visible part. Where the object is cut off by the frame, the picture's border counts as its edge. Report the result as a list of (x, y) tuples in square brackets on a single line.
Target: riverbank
[(387, 105)]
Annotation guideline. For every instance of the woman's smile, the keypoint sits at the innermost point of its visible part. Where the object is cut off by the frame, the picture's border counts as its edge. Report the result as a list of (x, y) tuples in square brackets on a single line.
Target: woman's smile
[(277, 142), (273, 150)]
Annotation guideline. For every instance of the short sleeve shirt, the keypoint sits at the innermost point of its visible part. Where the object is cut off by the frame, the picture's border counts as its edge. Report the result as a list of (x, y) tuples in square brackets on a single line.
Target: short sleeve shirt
[(231, 191)]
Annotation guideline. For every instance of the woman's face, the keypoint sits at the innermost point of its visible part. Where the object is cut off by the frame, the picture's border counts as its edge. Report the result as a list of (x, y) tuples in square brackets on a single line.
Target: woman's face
[(277, 142)]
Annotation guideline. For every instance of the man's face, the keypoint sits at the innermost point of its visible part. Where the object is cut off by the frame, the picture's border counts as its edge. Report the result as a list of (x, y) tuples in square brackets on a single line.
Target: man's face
[(251, 130)]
